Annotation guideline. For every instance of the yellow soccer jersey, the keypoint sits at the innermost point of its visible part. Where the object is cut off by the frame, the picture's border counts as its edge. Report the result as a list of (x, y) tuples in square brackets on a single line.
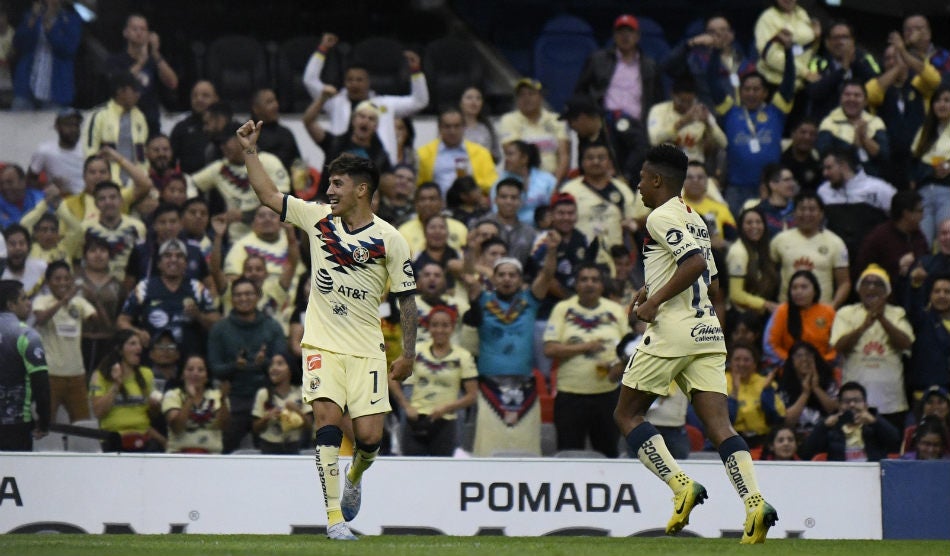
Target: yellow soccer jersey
[(685, 324), (231, 181), (436, 381), (600, 212), (264, 403), (200, 431), (572, 323), (274, 254), (546, 133), (61, 334), (350, 273), (121, 239), (821, 254)]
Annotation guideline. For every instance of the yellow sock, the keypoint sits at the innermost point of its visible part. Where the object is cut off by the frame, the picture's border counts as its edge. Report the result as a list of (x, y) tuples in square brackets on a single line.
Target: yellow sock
[(741, 472), (361, 462), (657, 458), (327, 458)]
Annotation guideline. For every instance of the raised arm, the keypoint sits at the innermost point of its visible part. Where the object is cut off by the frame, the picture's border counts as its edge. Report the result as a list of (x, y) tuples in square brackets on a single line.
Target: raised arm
[(312, 113), (541, 284), (311, 74), (263, 186)]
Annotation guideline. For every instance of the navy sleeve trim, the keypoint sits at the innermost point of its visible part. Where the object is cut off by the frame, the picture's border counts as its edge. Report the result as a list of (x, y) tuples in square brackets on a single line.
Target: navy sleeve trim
[(687, 255), (405, 293), (283, 210)]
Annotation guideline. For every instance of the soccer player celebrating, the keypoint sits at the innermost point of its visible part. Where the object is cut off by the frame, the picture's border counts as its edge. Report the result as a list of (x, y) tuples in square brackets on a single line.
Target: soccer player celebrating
[(354, 255), (683, 342)]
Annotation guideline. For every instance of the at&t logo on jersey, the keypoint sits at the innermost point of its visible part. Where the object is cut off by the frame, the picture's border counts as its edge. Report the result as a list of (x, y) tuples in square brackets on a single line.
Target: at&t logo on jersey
[(324, 282)]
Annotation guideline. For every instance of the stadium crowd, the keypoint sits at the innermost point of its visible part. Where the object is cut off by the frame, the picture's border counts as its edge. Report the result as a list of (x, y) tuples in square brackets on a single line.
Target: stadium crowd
[(169, 303)]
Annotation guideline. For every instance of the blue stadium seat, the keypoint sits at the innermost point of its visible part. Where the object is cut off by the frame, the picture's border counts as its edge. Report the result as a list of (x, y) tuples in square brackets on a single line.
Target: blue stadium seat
[(237, 65), (451, 65), (652, 39), (559, 55), (384, 60)]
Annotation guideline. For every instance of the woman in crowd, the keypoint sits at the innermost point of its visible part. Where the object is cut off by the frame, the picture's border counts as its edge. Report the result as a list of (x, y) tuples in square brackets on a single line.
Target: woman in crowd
[(781, 445), (478, 127), (437, 249), (440, 372), (120, 390), (405, 142), (801, 319), (931, 149), (522, 162), (807, 387), (778, 206), (195, 412), (106, 293), (282, 421), (752, 397), (753, 277), (464, 201)]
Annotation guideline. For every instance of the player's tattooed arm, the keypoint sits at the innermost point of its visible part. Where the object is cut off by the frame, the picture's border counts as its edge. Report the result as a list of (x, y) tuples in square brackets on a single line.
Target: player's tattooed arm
[(409, 319)]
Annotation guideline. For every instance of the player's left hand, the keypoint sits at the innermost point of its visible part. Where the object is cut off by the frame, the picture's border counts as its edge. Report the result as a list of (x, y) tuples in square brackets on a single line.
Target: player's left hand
[(646, 311), (401, 368)]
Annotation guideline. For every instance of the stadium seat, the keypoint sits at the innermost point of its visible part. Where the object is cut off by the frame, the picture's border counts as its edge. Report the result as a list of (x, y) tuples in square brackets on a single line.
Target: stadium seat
[(384, 60), (560, 52), (451, 65), (237, 65), (696, 439), (246, 452), (821, 456), (292, 57), (652, 39)]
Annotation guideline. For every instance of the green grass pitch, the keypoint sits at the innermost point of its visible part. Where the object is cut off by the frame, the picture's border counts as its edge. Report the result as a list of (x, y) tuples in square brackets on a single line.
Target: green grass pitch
[(279, 545)]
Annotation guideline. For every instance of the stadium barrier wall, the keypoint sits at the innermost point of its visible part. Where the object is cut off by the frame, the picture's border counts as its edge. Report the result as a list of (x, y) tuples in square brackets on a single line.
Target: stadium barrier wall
[(123, 493), (916, 499)]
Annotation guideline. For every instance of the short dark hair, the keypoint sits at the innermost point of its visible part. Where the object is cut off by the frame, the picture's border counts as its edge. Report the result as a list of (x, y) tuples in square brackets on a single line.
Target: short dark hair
[(753, 74), (685, 83), (904, 201), (95, 241), (90, 159), (591, 265), (670, 162), (9, 292), (240, 280), (462, 185), (855, 386), (854, 83), (20, 174), (199, 200), (494, 240), (357, 168), (809, 195), (17, 228), (53, 266), (510, 182), (47, 217), (426, 185), (446, 111), (165, 208), (121, 80), (103, 185), (771, 172), (528, 149), (157, 136)]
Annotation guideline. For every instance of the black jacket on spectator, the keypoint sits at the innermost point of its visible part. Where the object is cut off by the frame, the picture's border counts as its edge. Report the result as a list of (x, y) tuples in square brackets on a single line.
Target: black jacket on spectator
[(189, 143), (279, 141), (931, 355), (599, 69), (880, 439), (825, 94)]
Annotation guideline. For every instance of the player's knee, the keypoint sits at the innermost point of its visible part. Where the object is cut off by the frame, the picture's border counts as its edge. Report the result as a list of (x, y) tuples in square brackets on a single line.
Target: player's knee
[(329, 435), (368, 448)]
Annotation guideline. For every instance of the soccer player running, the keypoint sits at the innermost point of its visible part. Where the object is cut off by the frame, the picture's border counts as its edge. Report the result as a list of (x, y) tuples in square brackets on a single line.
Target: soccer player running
[(683, 342), (354, 255)]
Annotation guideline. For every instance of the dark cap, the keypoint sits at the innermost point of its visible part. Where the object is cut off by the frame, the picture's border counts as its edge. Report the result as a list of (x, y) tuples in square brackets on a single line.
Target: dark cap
[(67, 113), (163, 333), (579, 104), (937, 391)]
